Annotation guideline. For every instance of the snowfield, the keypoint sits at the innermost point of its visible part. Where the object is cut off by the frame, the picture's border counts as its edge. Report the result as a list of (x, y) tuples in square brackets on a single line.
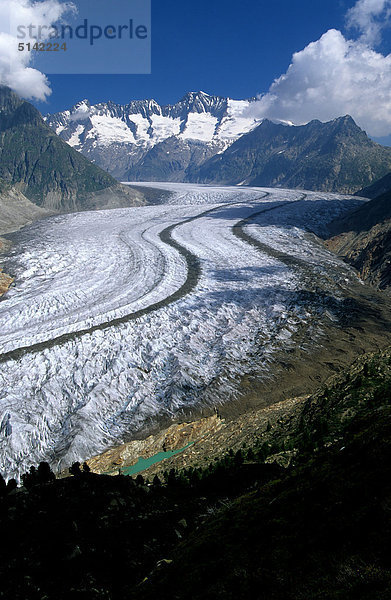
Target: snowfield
[(118, 317), (146, 123)]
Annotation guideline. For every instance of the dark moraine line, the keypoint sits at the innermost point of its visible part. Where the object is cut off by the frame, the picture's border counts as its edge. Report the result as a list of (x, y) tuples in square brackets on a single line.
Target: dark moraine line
[(366, 295), (193, 275), (305, 269), (287, 259)]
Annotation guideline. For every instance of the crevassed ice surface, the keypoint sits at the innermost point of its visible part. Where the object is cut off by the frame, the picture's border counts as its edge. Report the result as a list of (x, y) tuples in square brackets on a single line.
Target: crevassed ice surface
[(120, 316)]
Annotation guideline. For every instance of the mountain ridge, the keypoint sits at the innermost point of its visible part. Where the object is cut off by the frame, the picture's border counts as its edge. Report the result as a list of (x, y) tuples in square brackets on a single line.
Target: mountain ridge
[(212, 139), (119, 136), (332, 156), (46, 170)]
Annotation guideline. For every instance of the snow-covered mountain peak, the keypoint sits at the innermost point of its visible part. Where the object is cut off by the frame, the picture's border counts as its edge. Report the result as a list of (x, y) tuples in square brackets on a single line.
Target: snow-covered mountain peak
[(201, 102), (81, 111), (117, 136)]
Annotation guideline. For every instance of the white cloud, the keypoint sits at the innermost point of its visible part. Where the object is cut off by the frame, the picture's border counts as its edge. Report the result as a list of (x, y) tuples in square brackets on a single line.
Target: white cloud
[(335, 76), (82, 113), (369, 17), (16, 70), (330, 78)]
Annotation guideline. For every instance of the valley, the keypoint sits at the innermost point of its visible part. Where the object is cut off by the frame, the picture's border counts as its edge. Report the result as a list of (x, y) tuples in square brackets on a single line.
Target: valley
[(195, 316), (120, 321)]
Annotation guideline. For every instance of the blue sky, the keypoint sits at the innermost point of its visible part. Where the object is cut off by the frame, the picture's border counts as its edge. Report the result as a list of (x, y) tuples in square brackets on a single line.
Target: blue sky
[(306, 59), (226, 48)]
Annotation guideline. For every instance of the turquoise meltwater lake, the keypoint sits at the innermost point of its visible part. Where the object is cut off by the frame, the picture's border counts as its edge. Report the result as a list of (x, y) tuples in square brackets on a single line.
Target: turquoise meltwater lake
[(144, 463)]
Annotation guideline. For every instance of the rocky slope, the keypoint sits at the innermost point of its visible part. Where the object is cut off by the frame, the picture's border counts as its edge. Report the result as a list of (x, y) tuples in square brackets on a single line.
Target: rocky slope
[(316, 527), (277, 428), (333, 156), (319, 531), (45, 169), (363, 239), (207, 438), (16, 210), (5, 280), (378, 188), (148, 142)]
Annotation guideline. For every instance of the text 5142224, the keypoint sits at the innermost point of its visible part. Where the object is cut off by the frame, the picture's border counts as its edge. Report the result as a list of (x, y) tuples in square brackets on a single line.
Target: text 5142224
[(42, 47)]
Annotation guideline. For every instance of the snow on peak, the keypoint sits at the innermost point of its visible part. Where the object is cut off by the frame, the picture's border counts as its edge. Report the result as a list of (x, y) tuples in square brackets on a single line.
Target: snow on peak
[(236, 122), (118, 137), (81, 111)]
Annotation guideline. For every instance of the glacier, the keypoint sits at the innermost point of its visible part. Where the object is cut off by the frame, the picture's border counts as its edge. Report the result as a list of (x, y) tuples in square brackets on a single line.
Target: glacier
[(120, 317)]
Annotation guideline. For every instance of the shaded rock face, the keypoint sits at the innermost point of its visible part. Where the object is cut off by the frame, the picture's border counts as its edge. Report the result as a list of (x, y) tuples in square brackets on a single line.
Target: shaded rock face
[(333, 156), (363, 239), (172, 160), (369, 252), (46, 170), (378, 188)]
